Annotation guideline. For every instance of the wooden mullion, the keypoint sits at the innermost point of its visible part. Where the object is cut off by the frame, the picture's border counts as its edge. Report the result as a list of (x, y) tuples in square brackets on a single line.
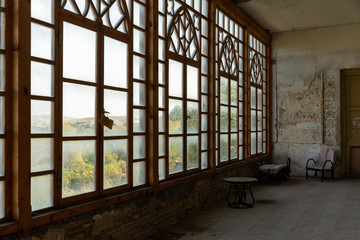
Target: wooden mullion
[(42, 60), (40, 22), (42, 173), (99, 167)]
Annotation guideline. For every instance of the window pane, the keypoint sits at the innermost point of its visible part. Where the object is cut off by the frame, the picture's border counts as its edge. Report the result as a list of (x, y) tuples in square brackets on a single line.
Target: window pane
[(2, 72), (139, 176), (42, 154), (139, 15), (42, 79), (204, 84), (192, 117), (204, 141), (139, 68), (192, 83), (253, 120), (260, 143), (175, 116), (42, 192), (233, 93), (253, 97), (233, 119), (2, 199), (161, 73), (115, 102), (139, 94), (115, 163), (78, 110), (139, 120), (42, 116), (161, 121), (42, 41), (204, 160), (234, 146), (192, 152), (224, 119), (2, 114), (161, 97), (78, 167), (79, 53), (115, 63), (253, 143), (139, 41), (224, 147), (224, 90), (43, 10), (259, 99), (2, 157), (139, 147), (2, 30), (162, 172), (175, 78), (259, 121), (204, 103), (175, 154), (204, 122), (161, 145)]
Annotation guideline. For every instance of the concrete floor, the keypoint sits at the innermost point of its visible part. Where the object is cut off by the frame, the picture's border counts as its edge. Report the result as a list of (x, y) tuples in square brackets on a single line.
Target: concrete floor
[(297, 209)]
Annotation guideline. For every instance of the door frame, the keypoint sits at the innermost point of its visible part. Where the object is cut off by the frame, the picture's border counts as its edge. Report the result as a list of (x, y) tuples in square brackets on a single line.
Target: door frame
[(345, 152)]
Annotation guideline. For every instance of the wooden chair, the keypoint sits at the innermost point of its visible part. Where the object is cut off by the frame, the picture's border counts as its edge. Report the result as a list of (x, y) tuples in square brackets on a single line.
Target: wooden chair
[(275, 171), (324, 163)]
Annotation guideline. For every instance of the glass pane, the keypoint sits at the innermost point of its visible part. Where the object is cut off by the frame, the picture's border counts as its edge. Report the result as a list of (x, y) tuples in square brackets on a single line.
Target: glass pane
[(204, 103), (42, 116), (2, 157), (42, 154), (161, 97), (42, 41), (139, 15), (2, 30), (233, 119), (241, 153), (259, 98), (192, 83), (115, 163), (79, 53), (139, 176), (204, 65), (41, 192), (78, 110), (204, 84), (115, 63), (224, 121), (253, 143), (139, 68), (175, 154), (253, 120), (2, 72), (139, 147), (253, 97), (233, 146), (204, 160), (161, 50), (204, 144), (175, 116), (192, 117), (115, 102), (241, 106), (192, 152), (175, 78), (162, 172), (161, 121), (42, 79), (204, 122), (241, 138), (224, 147), (43, 10), (139, 120), (2, 199), (78, 167), (204, 46), (241, 93), (2, 115), (259, 120), (139, 94), (161, 145), (260, 143), (161, 26), (224, 90), (161, 73), (2, 3), (139, 41), (233, 93)]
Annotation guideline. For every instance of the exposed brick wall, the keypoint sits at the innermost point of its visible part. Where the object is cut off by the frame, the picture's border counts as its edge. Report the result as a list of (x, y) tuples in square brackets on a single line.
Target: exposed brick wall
[(138, 218)]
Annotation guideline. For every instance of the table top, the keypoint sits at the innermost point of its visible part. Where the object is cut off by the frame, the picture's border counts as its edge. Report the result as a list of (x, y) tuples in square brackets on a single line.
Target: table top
[(240, 179)]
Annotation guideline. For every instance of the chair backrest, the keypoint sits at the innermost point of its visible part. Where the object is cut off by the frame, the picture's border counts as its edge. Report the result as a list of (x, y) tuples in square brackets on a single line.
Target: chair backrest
[(325, 154)]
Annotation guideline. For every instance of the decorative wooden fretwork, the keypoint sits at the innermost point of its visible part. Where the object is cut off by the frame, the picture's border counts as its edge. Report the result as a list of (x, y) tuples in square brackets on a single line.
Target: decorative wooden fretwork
[(113, 13), (183, 37), (228, 57), (256, 69)]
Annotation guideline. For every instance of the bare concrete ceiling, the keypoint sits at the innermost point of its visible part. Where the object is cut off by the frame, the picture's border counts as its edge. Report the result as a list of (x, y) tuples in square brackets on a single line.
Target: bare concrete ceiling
[(291, 15)]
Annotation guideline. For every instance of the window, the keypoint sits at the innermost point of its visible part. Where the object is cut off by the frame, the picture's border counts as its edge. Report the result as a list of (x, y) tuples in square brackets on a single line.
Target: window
[(101, 78), (183, 87), (229, 89), (258, 96), (4, 115)]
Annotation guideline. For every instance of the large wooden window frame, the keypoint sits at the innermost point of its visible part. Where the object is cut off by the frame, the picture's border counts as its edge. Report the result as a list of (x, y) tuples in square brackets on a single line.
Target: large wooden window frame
[(155, 58)]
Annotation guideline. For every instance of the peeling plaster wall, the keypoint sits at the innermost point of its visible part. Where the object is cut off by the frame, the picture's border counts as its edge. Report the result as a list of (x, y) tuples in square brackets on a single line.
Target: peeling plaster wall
[(300, 57)]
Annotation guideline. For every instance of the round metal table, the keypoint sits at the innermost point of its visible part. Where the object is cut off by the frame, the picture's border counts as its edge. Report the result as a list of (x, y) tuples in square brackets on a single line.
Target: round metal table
[(237, 196)]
